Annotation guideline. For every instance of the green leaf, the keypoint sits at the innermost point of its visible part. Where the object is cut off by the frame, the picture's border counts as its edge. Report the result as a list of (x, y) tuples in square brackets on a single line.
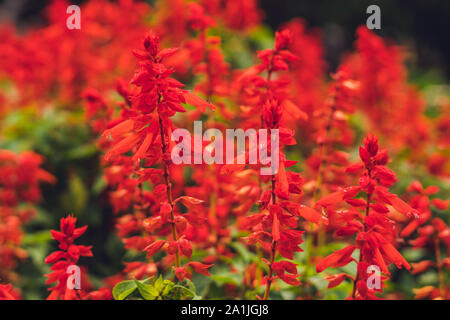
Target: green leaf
[(189, 290), (159, 284), (242, 250), (190, 285), (83, 151), (224, 279), (36, 238), (188, 293), (124, 289), (99, 185), (147, 291), (76, 197), (168, 286)]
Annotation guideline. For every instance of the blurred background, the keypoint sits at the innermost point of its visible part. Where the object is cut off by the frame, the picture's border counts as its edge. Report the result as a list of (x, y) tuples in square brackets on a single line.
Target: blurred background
[(421, 25)]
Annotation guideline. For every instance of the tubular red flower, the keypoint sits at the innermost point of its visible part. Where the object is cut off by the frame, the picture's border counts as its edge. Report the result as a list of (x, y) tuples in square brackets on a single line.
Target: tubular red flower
[(66, 257)]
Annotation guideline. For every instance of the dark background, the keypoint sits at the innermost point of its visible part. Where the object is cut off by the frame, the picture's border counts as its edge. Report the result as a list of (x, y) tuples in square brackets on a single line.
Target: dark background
[(421, 25)]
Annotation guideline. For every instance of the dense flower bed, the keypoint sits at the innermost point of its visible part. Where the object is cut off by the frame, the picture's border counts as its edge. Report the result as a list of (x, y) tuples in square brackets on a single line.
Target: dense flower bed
[(357, 209)]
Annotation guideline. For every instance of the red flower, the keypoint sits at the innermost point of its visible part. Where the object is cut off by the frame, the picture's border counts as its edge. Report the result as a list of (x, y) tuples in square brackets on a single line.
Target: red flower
[(375, 231), (7, 292), (337, 259), (62, 259)]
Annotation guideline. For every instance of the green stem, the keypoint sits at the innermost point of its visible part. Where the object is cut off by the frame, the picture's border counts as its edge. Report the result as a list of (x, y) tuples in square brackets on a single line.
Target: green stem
[(169, 192)]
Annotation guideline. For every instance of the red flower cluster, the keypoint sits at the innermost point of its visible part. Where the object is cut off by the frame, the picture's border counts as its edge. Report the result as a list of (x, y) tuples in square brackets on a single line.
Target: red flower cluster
[(7, 292), (63, 259), (384, 92), (20, 178), (431, 232), (68, 64), (368, 219), (144, 128), (178, 221), (279, 217)]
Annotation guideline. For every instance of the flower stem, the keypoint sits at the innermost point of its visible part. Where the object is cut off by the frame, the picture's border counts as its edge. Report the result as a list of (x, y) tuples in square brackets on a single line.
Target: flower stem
[(273, 252), (269, 278), (439, 267), (369, 196), (322, 165), (169, 191)]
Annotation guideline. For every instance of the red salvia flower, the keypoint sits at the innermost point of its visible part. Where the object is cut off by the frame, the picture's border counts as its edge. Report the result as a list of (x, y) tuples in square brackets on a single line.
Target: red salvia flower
[(7, 292), (67, 256), (368, 219), (144, 129)]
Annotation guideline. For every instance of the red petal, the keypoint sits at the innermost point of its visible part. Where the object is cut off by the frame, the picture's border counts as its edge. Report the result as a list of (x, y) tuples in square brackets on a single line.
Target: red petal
[(198, 102), (332, 198), (143, 147), (53, 257), (336, 259), (200, 267), (153, 248), (282, 184), (275, 227), (310, 214), (336, 279), (393, 255), (123, 146), (190, 200)]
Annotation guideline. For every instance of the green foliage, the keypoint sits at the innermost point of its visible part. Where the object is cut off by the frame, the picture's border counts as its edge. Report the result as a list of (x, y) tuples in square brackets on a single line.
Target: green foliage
[(155, 289)]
